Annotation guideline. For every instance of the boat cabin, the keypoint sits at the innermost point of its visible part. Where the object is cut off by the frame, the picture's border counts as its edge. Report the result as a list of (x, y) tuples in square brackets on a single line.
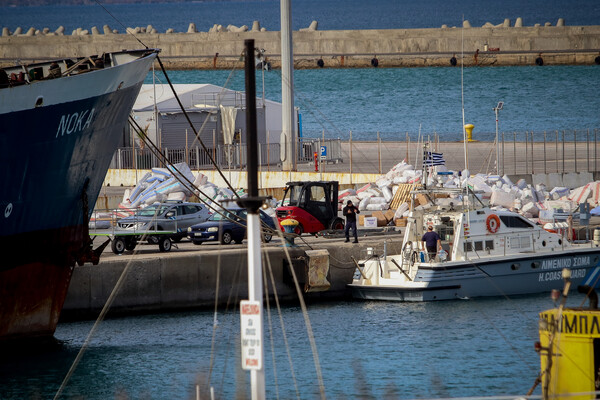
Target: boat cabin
[(470, 230)]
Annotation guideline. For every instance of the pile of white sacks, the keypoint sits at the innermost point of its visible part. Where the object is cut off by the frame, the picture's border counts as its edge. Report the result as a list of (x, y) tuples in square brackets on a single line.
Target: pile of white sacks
[(165, 184), (498, 191)]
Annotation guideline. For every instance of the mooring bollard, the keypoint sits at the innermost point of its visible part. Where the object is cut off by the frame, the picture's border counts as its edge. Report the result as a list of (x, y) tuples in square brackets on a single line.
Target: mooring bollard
[(289, 225)]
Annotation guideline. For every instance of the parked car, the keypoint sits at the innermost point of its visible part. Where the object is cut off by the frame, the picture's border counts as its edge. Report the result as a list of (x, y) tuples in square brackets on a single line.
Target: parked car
[(220, 228), (169, 216)]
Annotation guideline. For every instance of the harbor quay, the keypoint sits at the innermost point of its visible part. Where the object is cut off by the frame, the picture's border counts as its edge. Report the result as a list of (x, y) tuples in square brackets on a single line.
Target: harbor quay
[(195, 277), (482, 46)]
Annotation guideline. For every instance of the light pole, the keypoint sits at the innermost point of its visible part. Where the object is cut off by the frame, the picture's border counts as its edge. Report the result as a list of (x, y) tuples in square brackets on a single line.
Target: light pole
[(496, 109)]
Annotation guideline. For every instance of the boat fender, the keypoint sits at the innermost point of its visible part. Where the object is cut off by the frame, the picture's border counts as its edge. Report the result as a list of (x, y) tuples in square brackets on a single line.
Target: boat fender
[(597, 60), (374, 62), (320, 63), (539, 61), (453, 61), (492, 223)]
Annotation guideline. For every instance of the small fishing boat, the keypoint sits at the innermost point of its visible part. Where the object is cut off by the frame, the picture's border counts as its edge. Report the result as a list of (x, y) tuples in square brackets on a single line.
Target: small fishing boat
[(484, 252), (569, 346)]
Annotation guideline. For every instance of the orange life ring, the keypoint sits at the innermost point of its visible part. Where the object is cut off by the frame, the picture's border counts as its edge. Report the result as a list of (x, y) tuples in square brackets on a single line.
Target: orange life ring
[(492, 223)]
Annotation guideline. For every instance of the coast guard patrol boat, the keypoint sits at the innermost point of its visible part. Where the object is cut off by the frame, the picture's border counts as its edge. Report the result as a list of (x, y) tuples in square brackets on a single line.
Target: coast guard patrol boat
[(486, 253)]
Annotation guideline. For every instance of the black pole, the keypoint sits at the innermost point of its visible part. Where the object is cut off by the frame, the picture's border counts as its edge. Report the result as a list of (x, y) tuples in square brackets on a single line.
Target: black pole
[(251, 137)]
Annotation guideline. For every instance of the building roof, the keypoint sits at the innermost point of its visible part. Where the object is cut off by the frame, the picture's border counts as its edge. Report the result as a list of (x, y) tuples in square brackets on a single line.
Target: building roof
[(194, 97)]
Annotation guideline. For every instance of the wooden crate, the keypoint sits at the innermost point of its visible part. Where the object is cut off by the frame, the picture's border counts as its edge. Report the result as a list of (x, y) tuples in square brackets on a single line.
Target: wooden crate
[(400, 222)]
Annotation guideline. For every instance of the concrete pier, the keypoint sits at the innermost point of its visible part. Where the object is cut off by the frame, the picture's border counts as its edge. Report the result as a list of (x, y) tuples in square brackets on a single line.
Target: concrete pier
[(497, 45), (196, 277)]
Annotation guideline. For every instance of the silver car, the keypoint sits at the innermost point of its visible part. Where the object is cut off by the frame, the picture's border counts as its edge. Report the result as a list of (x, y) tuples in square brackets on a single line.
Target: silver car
[(170, 216)]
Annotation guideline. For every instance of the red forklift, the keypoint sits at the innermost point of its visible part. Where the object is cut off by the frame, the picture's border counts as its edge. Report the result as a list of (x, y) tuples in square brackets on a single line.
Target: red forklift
[(313, 204)]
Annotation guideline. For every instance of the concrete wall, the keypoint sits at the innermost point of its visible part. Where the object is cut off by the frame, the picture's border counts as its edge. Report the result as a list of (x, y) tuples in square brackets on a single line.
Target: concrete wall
[(181, 280), (393, 47)]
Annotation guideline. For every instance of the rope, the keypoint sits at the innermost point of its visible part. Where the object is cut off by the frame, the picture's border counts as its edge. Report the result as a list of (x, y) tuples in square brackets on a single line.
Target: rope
[(120, 23), (194, 128), (311, 336), (283, 331)]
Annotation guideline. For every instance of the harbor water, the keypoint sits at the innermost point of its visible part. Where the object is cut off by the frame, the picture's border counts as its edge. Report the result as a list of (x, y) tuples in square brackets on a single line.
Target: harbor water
[(368, 350), (396, 101)]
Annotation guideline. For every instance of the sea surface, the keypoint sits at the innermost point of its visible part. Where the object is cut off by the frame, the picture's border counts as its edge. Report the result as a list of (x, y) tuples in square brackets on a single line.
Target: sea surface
[(330, 14), (391, 101), (396, 101), (367, 350)]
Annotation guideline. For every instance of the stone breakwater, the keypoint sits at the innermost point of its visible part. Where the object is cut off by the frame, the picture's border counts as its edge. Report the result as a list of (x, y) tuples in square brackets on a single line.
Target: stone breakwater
[(491, 45)]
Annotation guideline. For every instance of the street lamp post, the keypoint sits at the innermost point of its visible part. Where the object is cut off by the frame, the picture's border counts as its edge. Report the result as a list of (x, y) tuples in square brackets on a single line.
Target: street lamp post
[(496, 109)]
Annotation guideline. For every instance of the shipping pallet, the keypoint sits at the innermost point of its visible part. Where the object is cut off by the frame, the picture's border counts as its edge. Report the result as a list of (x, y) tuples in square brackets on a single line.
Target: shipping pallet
[(402, 195)]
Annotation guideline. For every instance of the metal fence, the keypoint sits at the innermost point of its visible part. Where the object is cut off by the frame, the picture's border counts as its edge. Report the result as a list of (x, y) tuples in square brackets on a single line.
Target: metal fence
[(517, 153), (226, 156), (231, 156), (329, 150), (549, 152)]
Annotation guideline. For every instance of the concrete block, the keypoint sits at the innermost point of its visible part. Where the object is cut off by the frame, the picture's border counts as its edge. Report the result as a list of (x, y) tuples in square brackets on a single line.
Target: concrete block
[(519, 22), (573, 179), (311, 28), (549, 180)]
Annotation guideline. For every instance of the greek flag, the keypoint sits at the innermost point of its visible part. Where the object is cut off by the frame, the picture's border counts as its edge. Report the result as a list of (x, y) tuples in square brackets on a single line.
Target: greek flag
[(431, 159)]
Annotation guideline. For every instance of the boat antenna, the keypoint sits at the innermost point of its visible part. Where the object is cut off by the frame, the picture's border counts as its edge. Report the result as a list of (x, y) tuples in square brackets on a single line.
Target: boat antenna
[(462, 88)]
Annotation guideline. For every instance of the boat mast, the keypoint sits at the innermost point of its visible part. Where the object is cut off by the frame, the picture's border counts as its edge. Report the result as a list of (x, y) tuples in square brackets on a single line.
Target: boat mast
[(252, 310), (289, 135), (462, 91)]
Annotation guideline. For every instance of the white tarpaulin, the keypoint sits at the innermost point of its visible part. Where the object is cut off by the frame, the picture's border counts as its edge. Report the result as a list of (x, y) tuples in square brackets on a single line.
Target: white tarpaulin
[(228, 115)]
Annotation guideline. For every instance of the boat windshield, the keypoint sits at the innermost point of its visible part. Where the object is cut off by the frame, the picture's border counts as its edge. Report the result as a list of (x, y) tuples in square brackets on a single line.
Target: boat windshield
[(151, 211)]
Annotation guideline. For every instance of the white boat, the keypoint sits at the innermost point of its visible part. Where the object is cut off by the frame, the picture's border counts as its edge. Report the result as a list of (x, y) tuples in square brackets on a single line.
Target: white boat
[(489, 253)]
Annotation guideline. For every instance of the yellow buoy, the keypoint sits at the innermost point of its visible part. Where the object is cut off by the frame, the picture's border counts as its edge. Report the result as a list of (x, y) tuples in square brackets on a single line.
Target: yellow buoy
[(469, 130)]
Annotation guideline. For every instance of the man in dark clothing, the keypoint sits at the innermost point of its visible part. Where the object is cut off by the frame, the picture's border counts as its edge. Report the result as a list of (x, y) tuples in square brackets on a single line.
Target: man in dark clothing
[(350, 213), (432, 242)]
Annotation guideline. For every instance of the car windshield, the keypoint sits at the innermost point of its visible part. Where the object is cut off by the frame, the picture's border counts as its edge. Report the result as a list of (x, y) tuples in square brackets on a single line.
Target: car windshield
[(151, 211), (227, 215)]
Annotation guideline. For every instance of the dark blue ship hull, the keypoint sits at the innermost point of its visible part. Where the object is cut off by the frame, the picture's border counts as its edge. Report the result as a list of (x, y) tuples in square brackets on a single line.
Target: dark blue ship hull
[(53, 160)]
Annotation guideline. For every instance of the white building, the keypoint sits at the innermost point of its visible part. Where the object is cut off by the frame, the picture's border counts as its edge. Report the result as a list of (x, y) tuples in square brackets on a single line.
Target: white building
[(218, 115)]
